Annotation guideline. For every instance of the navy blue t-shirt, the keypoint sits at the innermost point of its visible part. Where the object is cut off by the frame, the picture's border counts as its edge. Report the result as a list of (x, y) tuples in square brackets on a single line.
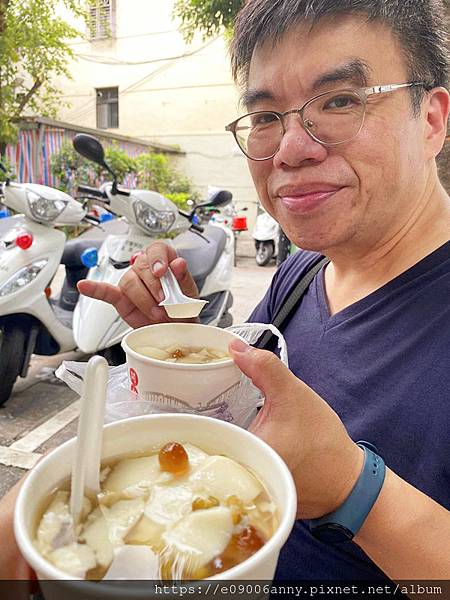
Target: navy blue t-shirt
[(383, 364)]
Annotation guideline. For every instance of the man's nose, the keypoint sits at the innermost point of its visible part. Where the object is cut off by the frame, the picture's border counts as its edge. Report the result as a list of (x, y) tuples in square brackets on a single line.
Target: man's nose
[(297, 146)]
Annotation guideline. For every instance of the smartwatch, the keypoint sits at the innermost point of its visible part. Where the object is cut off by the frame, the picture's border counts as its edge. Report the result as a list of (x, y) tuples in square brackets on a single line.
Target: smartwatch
[(345, 522)]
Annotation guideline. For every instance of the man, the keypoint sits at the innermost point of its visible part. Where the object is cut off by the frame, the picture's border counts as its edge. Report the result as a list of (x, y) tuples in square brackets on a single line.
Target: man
[(348, 112), (352, 176)]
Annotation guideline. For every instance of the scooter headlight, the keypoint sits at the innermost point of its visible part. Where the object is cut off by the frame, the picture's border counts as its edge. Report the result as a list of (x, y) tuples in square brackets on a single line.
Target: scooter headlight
[(45, 209), (23, 277), (153, 221)]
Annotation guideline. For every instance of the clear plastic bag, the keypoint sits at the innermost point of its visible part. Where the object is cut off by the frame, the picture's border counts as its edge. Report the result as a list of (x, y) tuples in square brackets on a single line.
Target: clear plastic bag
[(238, 408)]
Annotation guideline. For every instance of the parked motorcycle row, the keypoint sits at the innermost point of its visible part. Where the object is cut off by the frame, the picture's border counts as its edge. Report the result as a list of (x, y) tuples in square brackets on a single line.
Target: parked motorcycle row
[(32, 247)]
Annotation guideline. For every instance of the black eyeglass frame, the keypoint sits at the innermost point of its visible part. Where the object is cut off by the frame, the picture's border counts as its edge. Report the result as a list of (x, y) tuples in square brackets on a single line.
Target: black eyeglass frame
[(363, 93)]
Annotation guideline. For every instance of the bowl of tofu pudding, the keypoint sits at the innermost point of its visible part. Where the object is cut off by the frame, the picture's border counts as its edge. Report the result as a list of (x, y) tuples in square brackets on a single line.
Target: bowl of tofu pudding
[(183, 498), (181, 365)]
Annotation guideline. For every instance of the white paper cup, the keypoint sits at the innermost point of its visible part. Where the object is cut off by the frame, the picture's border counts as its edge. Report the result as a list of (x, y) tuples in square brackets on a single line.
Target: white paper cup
[(177, 385), (147, 432)]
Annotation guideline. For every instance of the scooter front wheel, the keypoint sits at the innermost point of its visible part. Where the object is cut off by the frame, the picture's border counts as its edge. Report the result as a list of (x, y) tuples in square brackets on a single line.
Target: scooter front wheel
[(264, 253), (12, 350)]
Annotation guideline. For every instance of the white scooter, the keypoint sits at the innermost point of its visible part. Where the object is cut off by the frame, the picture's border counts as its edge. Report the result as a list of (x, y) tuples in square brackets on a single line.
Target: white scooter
[(266, 235), (31, 250), (208, 251)]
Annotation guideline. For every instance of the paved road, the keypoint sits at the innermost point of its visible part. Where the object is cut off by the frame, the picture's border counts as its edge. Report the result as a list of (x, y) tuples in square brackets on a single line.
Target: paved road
[(42, 411)]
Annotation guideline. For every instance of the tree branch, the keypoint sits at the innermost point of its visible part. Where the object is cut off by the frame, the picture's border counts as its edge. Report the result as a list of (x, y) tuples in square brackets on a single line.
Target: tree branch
[(36, 85), (3, 8)]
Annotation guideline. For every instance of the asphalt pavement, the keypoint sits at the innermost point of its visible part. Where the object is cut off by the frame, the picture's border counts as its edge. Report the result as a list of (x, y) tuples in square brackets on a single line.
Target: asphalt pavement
[(42, 411)]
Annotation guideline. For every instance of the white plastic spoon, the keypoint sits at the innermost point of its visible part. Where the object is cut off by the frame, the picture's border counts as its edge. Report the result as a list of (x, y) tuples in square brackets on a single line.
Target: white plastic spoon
[(86, 465), (177, 305)]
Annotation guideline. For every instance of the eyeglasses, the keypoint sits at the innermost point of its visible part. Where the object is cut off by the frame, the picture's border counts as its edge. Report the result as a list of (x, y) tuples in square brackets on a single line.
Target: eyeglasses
[(331, 118)]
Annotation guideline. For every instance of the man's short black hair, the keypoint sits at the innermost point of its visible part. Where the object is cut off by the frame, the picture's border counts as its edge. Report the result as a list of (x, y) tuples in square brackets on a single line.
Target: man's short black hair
[(419, 25)]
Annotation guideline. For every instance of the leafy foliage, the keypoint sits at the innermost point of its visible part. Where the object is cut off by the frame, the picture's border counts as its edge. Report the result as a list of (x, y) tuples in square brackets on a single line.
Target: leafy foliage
[(155, 172), (120, 163), (33, 49), (207, 16), (9, 169), (152, 171), (70, 169)]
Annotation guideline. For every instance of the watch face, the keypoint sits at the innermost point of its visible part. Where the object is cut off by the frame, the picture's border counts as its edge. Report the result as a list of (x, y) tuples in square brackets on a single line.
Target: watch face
[(332, 533)]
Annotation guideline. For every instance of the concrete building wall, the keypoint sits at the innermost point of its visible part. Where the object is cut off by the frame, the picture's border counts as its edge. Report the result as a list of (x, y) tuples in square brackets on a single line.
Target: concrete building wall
[(178, 94)]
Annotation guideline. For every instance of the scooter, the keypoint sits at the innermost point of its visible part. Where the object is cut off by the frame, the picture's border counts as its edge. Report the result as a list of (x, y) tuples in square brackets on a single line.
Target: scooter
[(208, 251), (232, 219), (266, 234), (31, 250)]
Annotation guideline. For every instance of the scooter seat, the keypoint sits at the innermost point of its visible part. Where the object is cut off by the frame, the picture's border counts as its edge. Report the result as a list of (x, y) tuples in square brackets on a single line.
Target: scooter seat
[(74, 248), (201, 256)]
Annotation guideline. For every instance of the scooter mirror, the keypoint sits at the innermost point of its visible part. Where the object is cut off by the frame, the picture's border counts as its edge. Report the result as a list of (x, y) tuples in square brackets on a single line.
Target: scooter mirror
[(219, 198), (89, 147)]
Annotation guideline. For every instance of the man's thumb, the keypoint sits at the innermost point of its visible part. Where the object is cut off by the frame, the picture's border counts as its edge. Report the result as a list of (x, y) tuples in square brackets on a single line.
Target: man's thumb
[(265, 370)]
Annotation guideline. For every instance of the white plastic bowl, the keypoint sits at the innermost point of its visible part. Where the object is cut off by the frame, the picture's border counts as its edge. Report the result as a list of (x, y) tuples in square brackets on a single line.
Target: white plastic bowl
[(180, 385), (147, 432)]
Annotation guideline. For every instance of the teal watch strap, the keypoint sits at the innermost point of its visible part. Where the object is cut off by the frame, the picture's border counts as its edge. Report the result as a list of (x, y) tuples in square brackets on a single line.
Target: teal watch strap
[(345, 522)]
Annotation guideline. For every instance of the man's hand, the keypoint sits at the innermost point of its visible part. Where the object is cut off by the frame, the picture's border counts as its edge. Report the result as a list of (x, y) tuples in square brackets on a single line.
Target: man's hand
[(139, 292), (304, 430)]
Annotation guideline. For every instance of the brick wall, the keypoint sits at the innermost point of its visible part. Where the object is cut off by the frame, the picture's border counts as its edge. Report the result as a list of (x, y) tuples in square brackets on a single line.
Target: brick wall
[(444, 165)]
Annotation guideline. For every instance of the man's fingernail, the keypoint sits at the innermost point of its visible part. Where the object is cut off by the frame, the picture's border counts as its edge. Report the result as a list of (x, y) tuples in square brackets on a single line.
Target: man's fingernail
[(157, 266), (239, 346)]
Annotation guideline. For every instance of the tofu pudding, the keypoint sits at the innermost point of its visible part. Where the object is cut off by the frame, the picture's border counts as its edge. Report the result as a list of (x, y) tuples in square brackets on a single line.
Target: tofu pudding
[(191, 355), (197, 515)]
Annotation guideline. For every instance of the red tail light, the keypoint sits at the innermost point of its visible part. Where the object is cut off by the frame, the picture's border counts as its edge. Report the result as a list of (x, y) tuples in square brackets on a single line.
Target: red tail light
[(24, 240)]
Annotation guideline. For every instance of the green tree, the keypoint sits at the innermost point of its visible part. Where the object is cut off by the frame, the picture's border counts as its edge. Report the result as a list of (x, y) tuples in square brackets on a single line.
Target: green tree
[(9, 173), (156, 172), (33, 49), (206, 16)]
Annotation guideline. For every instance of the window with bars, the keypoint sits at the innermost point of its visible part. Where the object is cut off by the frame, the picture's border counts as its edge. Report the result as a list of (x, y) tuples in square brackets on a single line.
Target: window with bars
[(107, 108), (102, 19)]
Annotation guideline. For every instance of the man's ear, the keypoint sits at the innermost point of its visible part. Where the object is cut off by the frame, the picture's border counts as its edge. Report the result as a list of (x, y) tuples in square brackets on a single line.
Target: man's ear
[(437, 108)]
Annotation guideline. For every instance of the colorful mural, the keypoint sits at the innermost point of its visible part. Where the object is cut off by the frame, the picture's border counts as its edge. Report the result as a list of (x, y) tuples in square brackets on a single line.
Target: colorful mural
[(30, 157)]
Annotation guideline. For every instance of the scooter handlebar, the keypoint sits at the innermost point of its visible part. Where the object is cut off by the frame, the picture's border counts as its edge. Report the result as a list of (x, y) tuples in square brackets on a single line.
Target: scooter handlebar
[(92, 219), (198, 228), (92, 191)]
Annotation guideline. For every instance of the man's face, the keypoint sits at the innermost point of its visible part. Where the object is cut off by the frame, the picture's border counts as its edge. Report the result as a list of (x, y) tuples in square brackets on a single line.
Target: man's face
[(358, 195)]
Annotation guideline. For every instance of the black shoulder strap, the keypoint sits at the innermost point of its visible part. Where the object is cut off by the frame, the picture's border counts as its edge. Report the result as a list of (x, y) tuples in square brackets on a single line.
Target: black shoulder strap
[(292, 301)]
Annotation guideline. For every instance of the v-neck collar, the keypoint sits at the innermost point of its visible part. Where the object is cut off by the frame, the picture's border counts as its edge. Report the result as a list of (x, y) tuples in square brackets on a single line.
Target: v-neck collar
[(421, 268)]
